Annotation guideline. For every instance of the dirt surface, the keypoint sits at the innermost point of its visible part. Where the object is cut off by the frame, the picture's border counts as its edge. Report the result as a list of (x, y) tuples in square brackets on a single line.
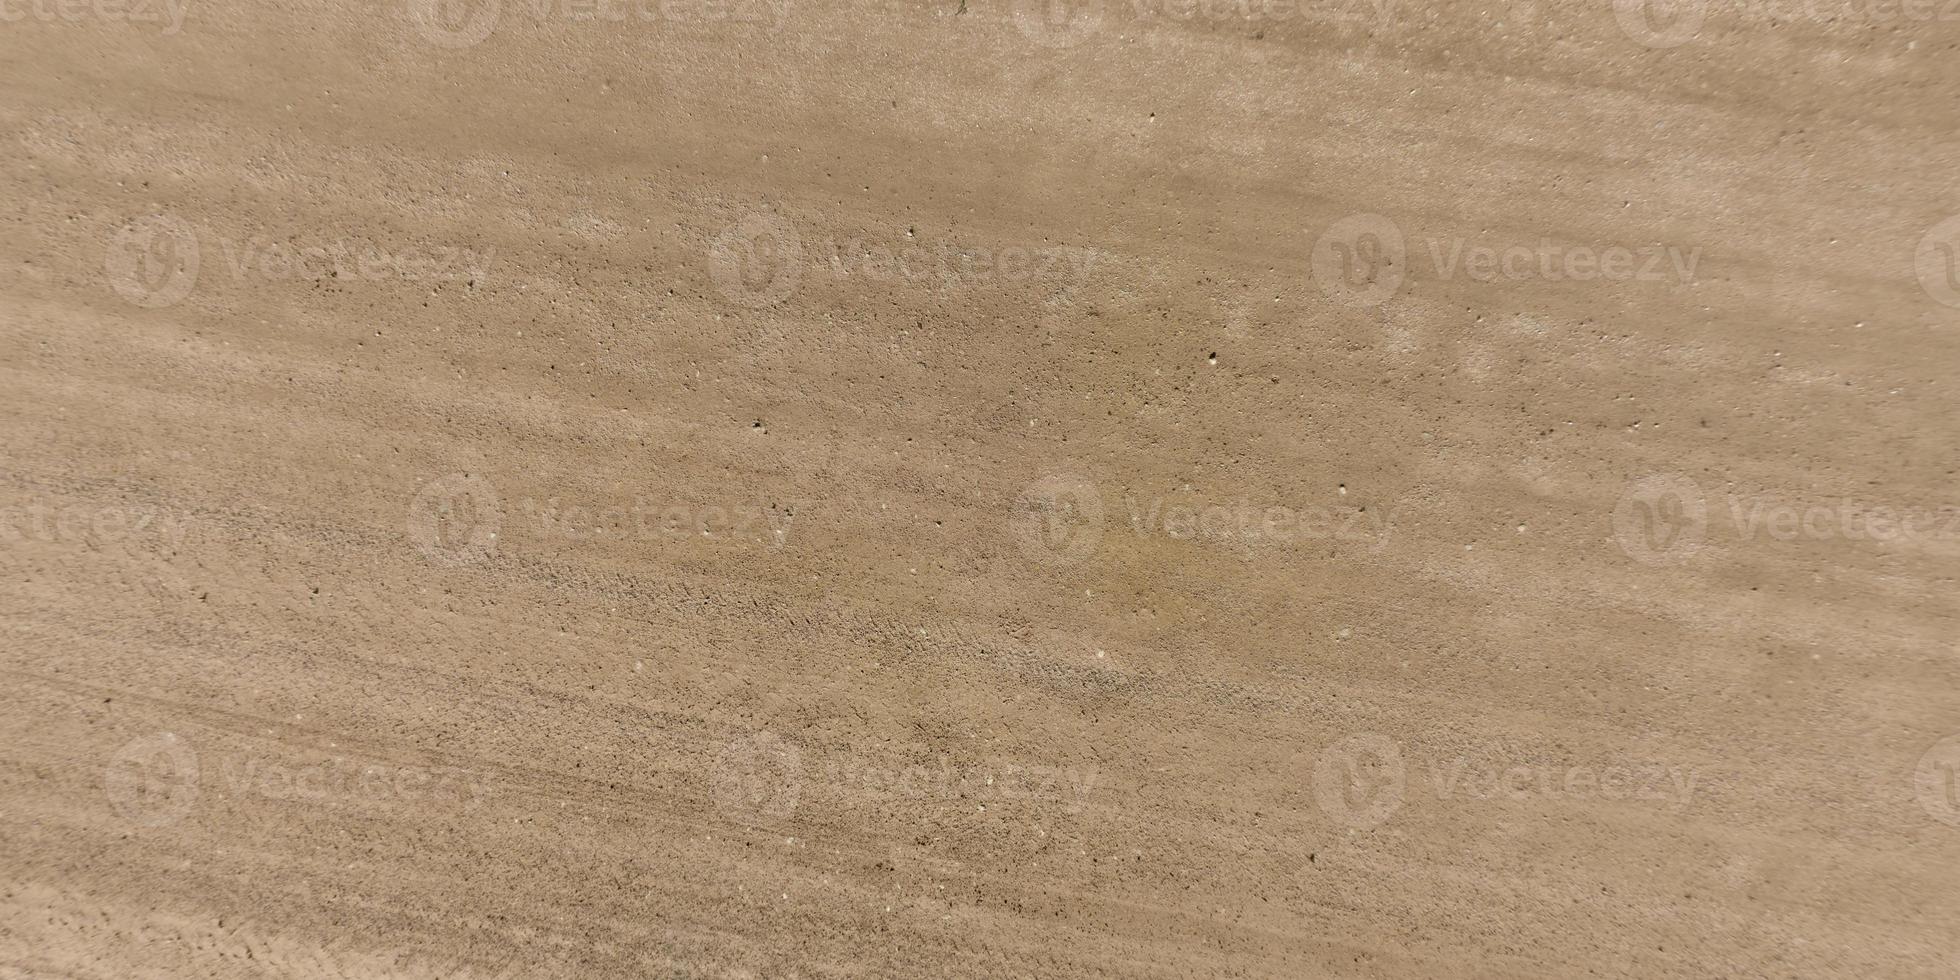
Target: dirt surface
[(635, 488)]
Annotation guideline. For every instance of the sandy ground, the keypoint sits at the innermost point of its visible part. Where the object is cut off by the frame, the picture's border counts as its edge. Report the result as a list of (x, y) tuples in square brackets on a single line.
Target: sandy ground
[(958, 489)]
